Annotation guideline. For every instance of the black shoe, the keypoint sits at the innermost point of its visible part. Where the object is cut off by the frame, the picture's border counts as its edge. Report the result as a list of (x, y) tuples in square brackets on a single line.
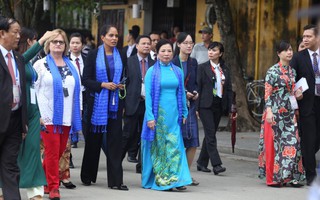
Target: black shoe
[(218, 169), (120, 187), (310, 180), (74, 145), (132, 159), (203, 168), (277, 185), (86, 183), (181, 188), (68, 185), (138, 170)]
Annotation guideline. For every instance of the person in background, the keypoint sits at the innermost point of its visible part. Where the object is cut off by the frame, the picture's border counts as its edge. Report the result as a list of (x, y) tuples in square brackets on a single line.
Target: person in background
[(215, 100), (164, 162), (155, 38), (32, 175), (13, 107), (175, 31), (58, 90), (189, 65), (280, 159), (306, 64), (301, 45), (164, 35), (200, 50), (130, 49), (136, 69), (103, 72)]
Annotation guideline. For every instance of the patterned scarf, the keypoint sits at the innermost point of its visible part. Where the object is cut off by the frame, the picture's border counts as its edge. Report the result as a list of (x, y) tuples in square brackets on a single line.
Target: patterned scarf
[(147, 133), (106, 102), (58, 99)]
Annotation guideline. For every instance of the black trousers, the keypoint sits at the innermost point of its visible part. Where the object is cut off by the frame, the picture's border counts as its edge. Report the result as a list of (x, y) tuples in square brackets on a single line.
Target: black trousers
[(132, 131), (9, 148), (310, 139), (91, 155), (210, 118)]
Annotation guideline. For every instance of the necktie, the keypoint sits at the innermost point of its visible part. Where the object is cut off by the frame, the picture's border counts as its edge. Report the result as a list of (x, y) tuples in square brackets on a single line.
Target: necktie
[(315, 62), (78, 65), (316, 71), (10, 67), (143, 68), (155, 56)]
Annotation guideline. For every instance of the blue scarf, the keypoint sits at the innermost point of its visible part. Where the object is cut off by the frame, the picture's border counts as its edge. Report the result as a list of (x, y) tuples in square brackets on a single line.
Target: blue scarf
[(147, 133), (58, 96), (106, 102)]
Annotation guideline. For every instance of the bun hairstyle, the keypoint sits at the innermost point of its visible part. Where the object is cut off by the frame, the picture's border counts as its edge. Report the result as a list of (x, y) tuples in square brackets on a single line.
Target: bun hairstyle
[(282, 46)]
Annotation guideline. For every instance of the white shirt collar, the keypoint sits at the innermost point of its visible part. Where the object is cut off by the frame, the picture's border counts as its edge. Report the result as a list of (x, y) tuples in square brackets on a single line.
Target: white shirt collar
[(4, 52), (311, 52), (73, 58)]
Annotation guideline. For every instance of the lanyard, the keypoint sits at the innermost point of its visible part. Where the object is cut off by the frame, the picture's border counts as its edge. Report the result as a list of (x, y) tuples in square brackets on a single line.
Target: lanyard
[(186, 80), (33, 74), (283, 70)]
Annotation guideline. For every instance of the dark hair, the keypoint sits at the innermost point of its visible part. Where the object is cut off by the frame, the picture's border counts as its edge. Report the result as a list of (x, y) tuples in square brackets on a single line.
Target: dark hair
[(180, 39), (165, 32), (26, 34), (282, 46), (105, 29), (142, 36), (161, 43), (5, 23), (154, 32), (78, 35), (311, 27), (220, 47)]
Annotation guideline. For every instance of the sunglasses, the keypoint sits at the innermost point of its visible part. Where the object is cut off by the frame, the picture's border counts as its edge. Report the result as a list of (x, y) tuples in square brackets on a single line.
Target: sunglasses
[(56, 42)]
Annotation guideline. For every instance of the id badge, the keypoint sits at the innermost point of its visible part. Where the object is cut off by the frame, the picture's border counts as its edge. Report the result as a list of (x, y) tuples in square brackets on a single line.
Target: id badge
[(143, 90), (65, 92), (317, 80), (16, 94), (32, 96), (294, 103)]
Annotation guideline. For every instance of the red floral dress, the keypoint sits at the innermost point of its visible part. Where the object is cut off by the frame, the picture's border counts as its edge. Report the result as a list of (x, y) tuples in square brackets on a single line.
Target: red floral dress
[(279, 146)]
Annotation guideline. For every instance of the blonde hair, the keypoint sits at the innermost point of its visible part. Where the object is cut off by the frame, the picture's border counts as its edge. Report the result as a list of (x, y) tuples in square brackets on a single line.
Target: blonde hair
[(65, 38)]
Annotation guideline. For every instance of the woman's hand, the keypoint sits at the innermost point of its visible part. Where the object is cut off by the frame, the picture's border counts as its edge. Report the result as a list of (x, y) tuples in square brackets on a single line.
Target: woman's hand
[(151, 124), (46, 36), (121, 86), (298, 94), (189, 95), (269, 116), (109, 86), (233, 117), (195, 95)]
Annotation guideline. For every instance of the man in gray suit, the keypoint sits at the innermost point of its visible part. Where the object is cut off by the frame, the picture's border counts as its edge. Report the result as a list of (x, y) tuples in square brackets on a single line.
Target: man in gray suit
[(12, 107), (136, 68)]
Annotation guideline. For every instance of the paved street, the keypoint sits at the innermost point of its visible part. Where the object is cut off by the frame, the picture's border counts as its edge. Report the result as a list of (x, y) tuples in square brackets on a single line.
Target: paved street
[(240, 181)]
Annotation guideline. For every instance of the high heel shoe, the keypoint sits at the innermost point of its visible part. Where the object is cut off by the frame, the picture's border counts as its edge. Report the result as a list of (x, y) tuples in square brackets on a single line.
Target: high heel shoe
[(68, 185)]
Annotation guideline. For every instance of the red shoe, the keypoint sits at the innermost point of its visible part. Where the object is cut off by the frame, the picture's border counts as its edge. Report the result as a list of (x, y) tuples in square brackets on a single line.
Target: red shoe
[(54, 194), (46, 190)]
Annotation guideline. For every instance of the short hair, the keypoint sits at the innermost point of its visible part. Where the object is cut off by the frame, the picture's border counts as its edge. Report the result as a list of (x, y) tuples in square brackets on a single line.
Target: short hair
[(142, 36), (312, 27), (161, 43), (26, 34), (65, 38), (78, 35), (5, 23), (220, 47), (282, 46), (155, 33)]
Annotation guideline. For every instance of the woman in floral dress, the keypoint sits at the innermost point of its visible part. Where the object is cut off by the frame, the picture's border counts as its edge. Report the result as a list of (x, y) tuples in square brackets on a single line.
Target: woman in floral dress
[(279, 147)]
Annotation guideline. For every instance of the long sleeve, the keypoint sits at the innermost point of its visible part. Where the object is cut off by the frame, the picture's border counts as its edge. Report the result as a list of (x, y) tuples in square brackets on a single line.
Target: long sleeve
[(148, 101), (89, 73), (269, 83), (32, 52)]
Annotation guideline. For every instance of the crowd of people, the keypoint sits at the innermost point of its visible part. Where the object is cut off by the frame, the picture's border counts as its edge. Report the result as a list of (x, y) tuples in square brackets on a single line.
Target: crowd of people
[(143, 100)]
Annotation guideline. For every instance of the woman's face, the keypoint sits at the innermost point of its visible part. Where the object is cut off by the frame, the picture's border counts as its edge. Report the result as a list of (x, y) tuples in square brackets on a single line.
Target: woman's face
[(165, 53), (301, 46), (286, 55), (110, 39), (186, 46), (57, 45), (214, 54)]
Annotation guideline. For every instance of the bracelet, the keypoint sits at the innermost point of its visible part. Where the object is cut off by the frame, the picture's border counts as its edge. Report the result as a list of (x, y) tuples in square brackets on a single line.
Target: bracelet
[(125, 92)]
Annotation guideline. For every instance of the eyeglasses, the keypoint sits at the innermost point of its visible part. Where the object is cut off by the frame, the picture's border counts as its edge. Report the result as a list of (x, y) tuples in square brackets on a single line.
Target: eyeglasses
[(188, 43), (56, 42)]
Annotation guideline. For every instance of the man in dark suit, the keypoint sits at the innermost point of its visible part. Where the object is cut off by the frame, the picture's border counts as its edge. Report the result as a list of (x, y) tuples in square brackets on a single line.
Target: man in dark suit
[(12, 107), (130, 49), (137, 66), (306, 64)]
